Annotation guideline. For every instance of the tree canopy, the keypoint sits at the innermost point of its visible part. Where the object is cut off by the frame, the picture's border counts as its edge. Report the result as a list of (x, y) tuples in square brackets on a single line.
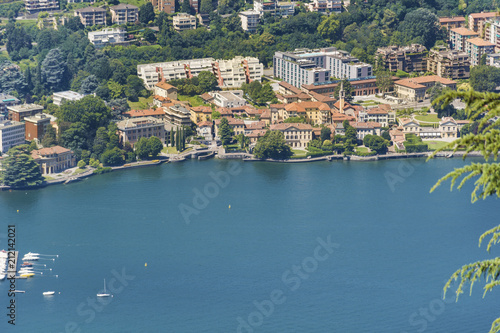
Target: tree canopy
[(272, 145), (20, 170)]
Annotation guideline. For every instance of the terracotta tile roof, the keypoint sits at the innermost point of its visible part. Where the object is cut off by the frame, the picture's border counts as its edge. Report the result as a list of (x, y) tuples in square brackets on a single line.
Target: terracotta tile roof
[(224, 111), (286, 126), (368, 124), (303, 106), (479, 42), (464, 32), (205, 124), (256, 125), (257, 133), (146, 113), (288, 86), (339, 117), (483, 15), (447, 119), (277, 106), (432, 78), (40, 153), (166, 86), (202, 109), (409, 83), (321, 98), (346, 105), (255, 112), (462, 122), (266, 114), (206, 97), (232, 121), (451, 19), (376, 111)]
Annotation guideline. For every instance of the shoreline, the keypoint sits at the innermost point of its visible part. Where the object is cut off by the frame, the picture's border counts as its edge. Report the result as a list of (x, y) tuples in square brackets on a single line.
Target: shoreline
[(245, 157)]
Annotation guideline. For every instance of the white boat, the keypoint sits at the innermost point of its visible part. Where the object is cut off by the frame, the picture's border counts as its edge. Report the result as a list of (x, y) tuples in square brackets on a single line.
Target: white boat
[(104, 294), (30, 258), (2, 276), (48, 293)]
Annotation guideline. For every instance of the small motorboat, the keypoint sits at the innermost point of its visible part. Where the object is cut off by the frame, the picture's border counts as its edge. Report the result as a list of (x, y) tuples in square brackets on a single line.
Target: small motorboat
[(48, 293), (104, 294)]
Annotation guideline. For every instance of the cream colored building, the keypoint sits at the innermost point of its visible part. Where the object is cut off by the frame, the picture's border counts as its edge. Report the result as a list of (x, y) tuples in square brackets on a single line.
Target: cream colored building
[(54, 159), (131, 130), (448, 63), (177, 114), (366, 128), (249, 20), (124, 13), (183, 22), (296, 135), (449, 128), (313, 112), (166, 90), (413, 89)]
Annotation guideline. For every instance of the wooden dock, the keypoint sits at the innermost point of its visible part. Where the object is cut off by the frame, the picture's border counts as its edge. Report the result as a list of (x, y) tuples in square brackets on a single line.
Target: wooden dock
[(12, 264)]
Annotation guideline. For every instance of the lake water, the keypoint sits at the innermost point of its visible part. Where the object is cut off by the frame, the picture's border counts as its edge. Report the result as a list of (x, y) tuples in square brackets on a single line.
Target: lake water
[(266, 247)]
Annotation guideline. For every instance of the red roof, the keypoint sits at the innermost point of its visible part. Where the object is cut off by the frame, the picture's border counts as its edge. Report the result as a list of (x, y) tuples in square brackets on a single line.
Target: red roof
[(166, 86), (146, 113), (40, 153), (205, 124)]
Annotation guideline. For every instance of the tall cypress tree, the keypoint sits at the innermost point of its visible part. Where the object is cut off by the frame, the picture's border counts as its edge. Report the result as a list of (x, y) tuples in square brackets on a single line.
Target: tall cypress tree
[(172, 137)]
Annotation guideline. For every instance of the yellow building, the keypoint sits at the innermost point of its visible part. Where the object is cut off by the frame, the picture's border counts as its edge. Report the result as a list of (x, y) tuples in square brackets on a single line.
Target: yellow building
[(297, 135), (201, 113)]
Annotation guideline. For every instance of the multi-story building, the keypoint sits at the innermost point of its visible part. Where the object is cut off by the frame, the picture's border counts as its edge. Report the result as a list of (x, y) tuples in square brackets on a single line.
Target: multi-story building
[(366, 128), (124, 13), (492, 32), (476, 48), (452, 22), (19, 112), (477, 21), (382, 114), (304, 66), (325, 6), (361, 87), (448, 63), (296, 135), (177, 114), (7, 100), (131, 130), (166, 6), (493, 60), (237, 125), (414, 89), (108, 36), (265, 6), (11, 134), (230, 73), (410, 58), (195, 5), (36, 126), (54, 159), (458, 36), (315, 113), (90, 16), (183, 21), (228, 99), (249, 20), (68, 95), (166, 90), (201, 114), (34, 6), (285, 9)]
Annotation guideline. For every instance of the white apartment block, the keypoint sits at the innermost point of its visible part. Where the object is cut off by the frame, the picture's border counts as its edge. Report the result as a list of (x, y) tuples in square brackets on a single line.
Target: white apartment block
[(249, 20), (124, 13), (34, 6), (107, 36), (90, 16), (263, 6), (228, 99), (304, 66), (183, 21), (230, 73), (325, 6), (68, 95), (11, 134)]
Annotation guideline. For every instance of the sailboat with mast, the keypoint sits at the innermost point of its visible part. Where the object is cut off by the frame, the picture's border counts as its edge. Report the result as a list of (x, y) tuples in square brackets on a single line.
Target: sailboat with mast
[(104, 294)]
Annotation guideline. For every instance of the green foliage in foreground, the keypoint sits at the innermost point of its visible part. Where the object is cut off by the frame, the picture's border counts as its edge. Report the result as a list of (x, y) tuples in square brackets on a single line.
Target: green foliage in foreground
[(484, 107)]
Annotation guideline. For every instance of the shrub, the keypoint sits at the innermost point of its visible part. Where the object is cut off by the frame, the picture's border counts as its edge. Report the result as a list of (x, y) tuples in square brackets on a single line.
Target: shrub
[(101, 170)]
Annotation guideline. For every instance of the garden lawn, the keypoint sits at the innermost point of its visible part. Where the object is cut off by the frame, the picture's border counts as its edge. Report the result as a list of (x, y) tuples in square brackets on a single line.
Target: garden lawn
[(299, 153), (431, 118), (142, 104), (434, 145), (193, 100)]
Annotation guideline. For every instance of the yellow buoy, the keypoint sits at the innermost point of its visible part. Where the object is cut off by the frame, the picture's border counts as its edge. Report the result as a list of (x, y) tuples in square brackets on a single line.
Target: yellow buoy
[(229, 206), (18, 210), (146, 265)]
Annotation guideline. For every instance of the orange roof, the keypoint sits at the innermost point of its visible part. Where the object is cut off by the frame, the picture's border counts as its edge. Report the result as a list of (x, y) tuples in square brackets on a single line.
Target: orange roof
[(479, 42), (256, 125), (285, 126), (321, 98), (464, 32), (376, 111), (146, 113), (232, 121), (165, 85), (257, 133), (205, 124), (345, 106), (277, 106), (337, 116), (451, 19), (368, 124), (202, 109), (483, 15), (255, 112), (432, 78), (40, 153), (266, 114), (288, 86), (206, 96), (303, 106)]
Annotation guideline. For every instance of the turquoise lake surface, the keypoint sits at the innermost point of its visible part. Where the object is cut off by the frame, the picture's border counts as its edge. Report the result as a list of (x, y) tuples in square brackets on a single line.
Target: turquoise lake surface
[(231, 246)]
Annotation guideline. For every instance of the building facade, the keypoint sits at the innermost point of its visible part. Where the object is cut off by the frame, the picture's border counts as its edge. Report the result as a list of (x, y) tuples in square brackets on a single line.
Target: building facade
[(228, 99), (68, 95), (477, 21), (54, 159), (452, 22), (178, 115), (230, 73), (124, 13), (414, 89), (476, 48), (36, 126), (249, 20), (410, 58), (458, 36), (131, 130), (449, 63), (90, 16), (296, 135), (325, 6), (183, 22), (19, 112), (35, 6), (11, 134), (166, 6), (166, 90), (107, 36)]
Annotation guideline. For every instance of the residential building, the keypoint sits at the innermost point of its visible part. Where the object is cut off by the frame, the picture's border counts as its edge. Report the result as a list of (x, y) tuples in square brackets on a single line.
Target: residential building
[(68, 95), (410, 58), (203, 19), (265, 6), (449, 128), (131, 130), (448, 63), (36, 126), (166, 6), (382, 114), (11, 134), (305, 66), (166, 90), (54, 159), (325, 6), (313, 112), (124, 13), (249, 20), (493, 60), (201, 114), (255, 135), (285, 9), (178, 114), (230, 73), (452, 22), (183, 21), (361, 87), (228, 99), (90, 16), (204, 129), (458, 36), (108, 36), (237, 125), (414, 89), (34, 6), (195, 5), (477, 20), (7, 100), (155, 113), (296, 135), (476, 48), (19, 112), (366, 128)]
